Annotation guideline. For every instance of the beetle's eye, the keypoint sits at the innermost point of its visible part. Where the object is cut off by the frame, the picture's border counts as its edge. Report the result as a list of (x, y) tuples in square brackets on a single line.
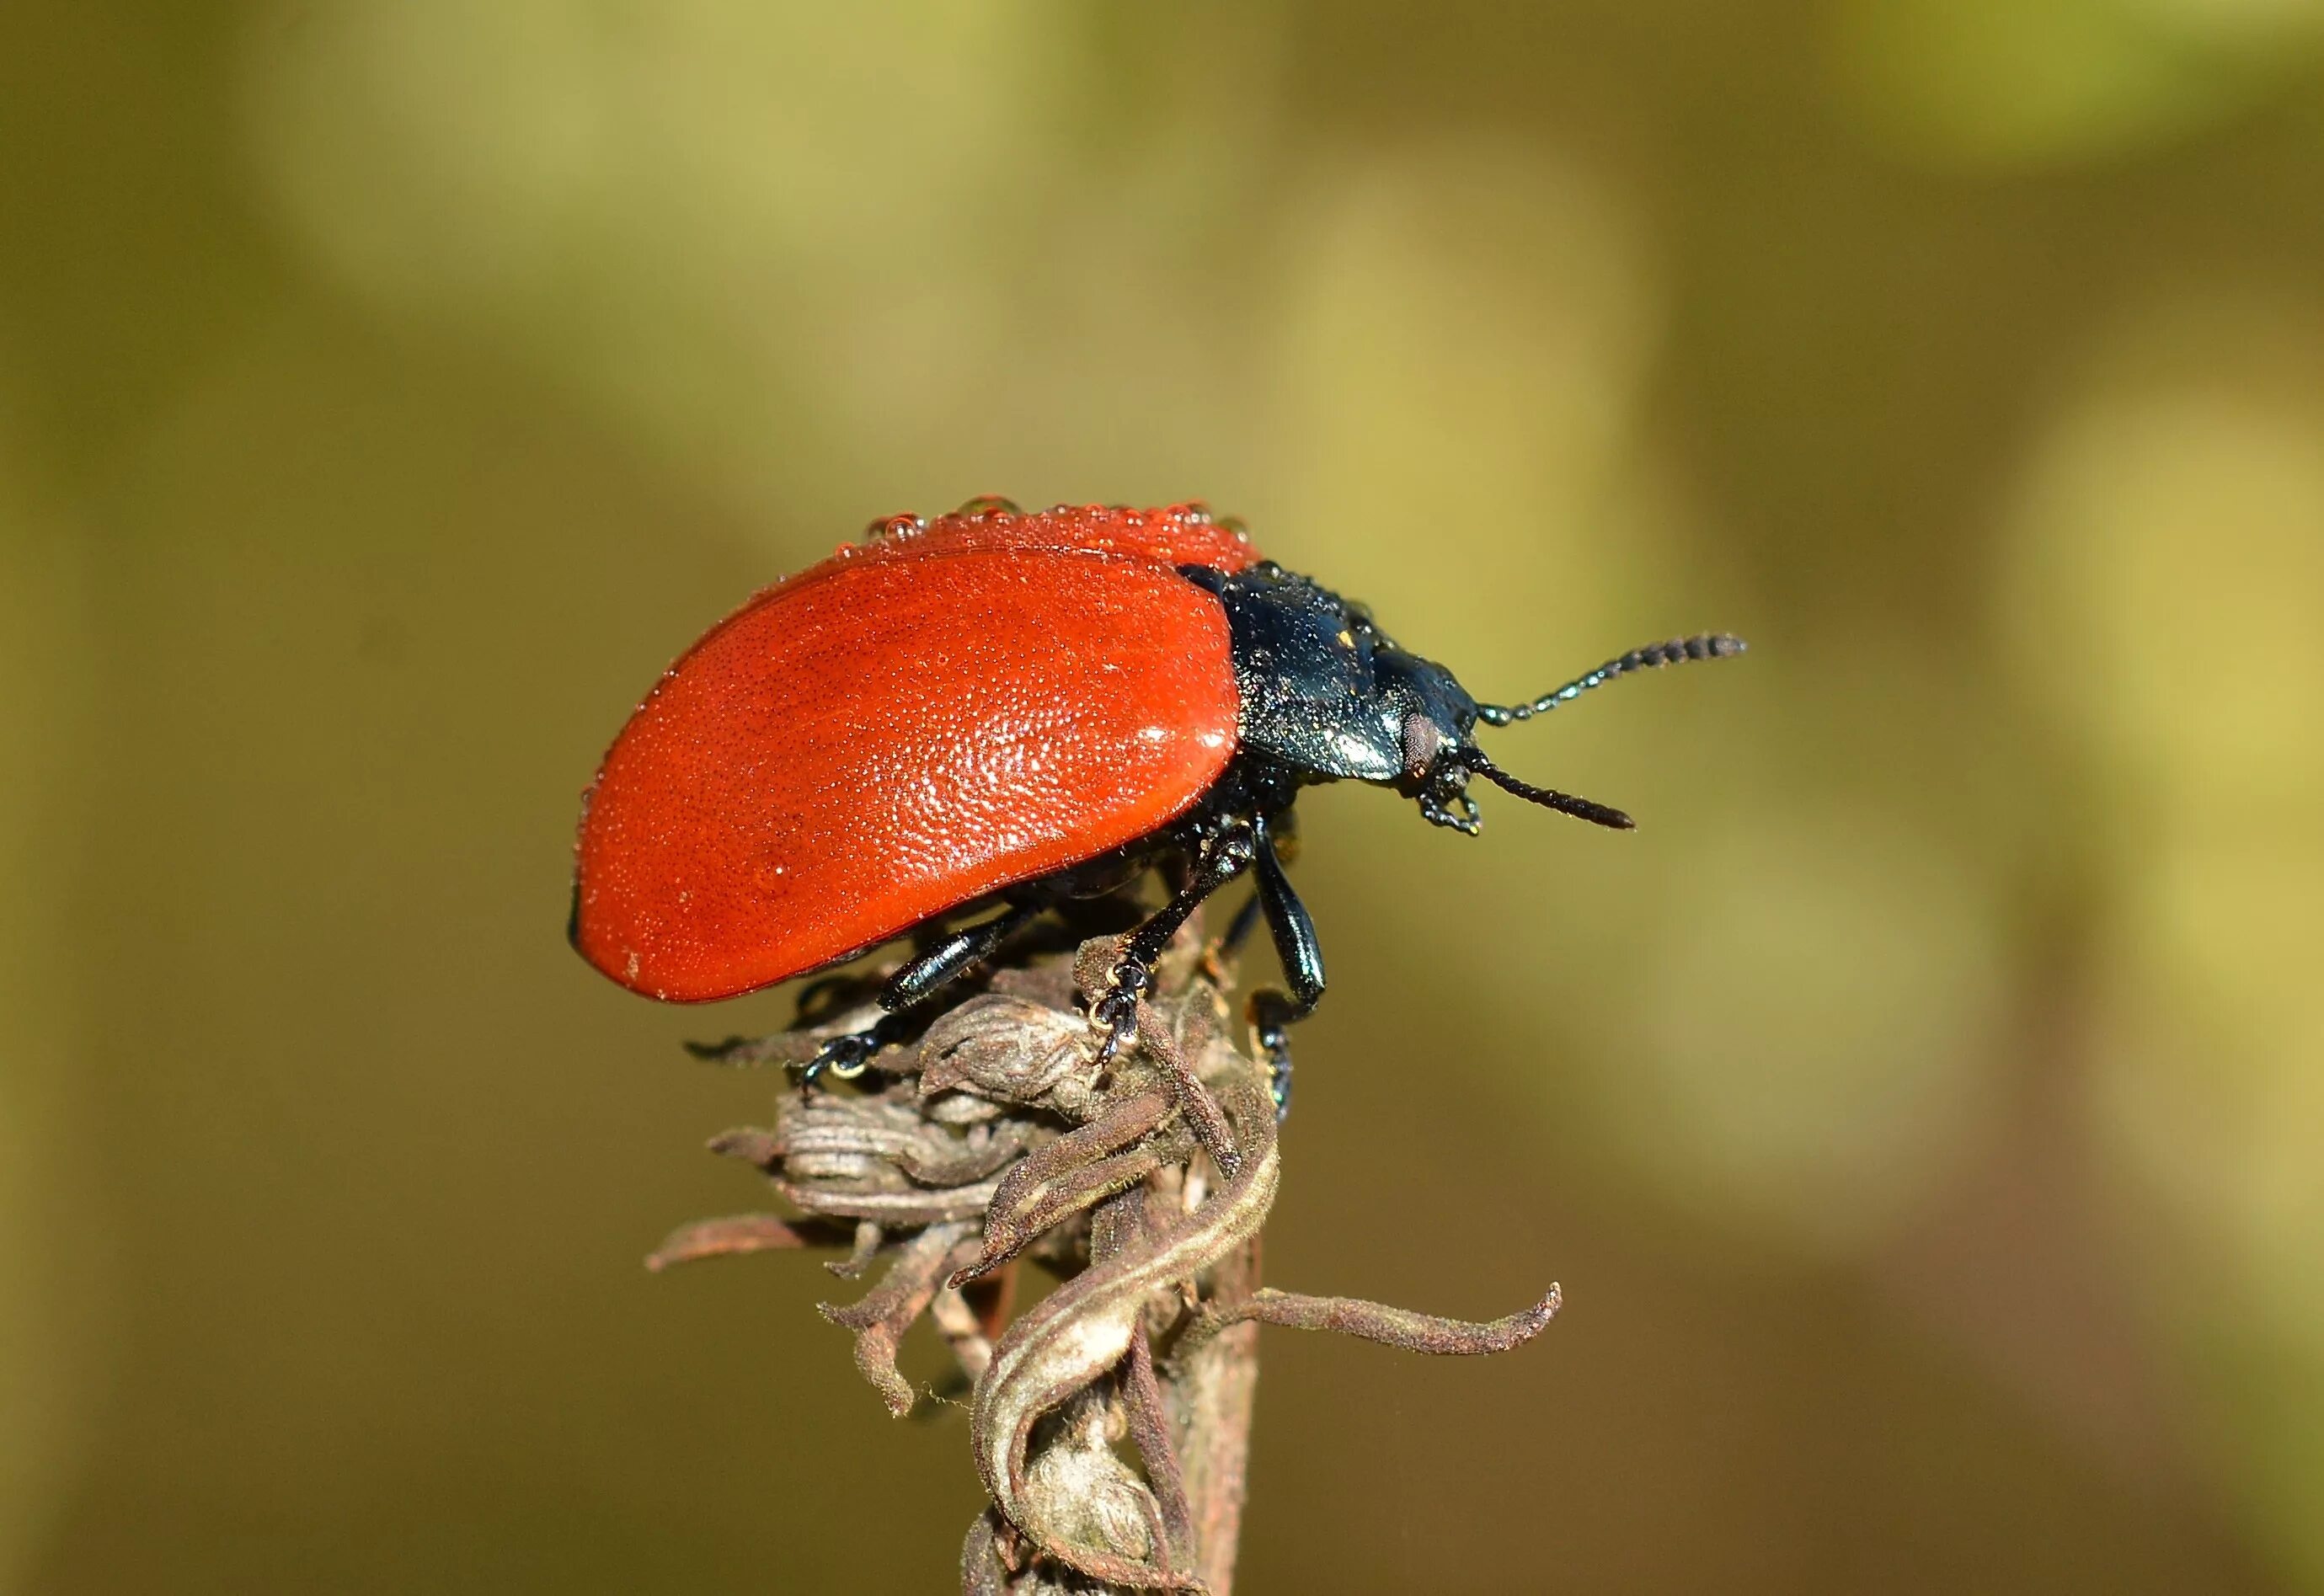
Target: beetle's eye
[(1421, 744)]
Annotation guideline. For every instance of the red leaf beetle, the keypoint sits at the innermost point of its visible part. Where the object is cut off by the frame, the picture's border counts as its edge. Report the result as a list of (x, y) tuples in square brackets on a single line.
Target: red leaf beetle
[(997, 710)]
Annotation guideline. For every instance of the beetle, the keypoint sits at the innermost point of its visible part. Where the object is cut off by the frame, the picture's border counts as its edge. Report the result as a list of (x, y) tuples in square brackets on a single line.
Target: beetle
[(998, 711)]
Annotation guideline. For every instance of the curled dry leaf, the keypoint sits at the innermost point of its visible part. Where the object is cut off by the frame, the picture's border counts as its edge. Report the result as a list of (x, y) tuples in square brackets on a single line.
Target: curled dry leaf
[(1012, 1050)]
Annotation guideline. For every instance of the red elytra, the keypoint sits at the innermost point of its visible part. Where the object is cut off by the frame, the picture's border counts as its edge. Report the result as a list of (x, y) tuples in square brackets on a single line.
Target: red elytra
[(917, 723)]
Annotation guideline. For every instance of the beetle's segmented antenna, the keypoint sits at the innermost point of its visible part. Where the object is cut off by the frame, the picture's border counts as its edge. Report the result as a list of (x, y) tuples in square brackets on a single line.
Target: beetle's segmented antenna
[(1564, 803), (1708, 645)]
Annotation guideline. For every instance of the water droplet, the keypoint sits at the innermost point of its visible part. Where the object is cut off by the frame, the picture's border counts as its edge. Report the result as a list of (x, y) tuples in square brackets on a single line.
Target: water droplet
[(895, 527), (989, 504)]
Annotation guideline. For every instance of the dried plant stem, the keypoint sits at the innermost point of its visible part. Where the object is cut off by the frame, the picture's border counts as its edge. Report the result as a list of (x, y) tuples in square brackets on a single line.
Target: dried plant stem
[(1144, 1186), (1210, 1395)]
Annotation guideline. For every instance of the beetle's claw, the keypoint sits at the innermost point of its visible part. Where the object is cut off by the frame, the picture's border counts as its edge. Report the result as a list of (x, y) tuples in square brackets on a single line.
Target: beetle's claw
[(1118, 1036), (841, 1057), (1271, 1015), (1116, 1012)]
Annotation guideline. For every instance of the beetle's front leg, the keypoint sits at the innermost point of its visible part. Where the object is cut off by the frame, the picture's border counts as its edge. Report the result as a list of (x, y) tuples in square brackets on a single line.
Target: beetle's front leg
[(1225, 855), (1272, 1012)]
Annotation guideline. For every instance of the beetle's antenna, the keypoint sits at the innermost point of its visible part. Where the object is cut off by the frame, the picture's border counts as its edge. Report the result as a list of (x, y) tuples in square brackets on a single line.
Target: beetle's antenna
[(1708, 645), (1564, 803)]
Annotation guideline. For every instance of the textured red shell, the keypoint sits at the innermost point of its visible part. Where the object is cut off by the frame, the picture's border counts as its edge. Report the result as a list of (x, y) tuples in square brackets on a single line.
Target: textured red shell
[(920, 721)]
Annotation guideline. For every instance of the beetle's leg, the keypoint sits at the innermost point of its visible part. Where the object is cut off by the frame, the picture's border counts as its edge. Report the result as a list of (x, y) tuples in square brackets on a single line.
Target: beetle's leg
[(935, 968), (1239, 929), (1282, 839), (949, 958), (1226, 854), (1287, 922), (1272, 1012), (844, 1058)]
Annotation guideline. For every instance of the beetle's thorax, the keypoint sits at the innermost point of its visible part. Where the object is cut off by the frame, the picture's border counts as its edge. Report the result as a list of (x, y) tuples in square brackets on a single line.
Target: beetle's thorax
[(1325, 695)]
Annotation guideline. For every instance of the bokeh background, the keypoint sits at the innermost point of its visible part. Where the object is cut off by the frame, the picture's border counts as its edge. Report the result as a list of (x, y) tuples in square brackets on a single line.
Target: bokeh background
[(1924, 1111)]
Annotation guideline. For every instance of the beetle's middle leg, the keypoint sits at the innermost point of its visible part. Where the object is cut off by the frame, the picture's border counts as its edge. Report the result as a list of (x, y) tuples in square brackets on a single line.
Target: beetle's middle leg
[(1225, 855)]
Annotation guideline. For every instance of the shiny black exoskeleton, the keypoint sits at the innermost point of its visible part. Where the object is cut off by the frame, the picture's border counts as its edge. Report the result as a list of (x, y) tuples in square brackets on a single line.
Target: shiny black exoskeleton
[(1327, 696)]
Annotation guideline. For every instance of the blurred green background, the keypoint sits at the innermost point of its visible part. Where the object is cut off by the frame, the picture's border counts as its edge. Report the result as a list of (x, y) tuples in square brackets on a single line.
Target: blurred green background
[(1924, 1111)]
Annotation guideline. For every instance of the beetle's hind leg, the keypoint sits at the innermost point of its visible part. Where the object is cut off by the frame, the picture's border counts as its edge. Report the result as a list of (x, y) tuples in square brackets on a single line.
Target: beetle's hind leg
[(930, 971), (846, 1056)]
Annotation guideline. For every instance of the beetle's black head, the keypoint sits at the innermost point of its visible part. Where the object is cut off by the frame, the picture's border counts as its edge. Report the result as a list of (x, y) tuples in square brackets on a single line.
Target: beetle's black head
[(1327, 696)]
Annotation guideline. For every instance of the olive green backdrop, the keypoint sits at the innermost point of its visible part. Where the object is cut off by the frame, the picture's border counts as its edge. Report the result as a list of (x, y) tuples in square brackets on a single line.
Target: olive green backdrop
[(1924, 1111)]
